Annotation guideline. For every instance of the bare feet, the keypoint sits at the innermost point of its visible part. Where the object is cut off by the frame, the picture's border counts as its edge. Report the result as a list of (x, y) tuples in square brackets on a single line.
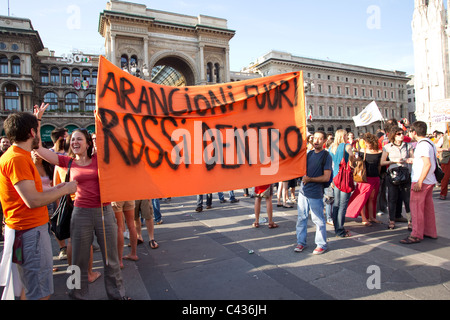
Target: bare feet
[(93, 276), (130, 257)]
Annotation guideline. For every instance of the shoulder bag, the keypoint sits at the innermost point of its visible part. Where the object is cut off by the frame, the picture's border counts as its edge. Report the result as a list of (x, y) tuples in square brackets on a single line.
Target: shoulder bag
[(359, 172), (438, 173), (344, 179), (60, 220)]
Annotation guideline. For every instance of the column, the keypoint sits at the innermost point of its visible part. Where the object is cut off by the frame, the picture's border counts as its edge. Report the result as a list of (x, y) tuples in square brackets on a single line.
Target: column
[(113, 49), (227, 65), (202, 65), (146, 61)]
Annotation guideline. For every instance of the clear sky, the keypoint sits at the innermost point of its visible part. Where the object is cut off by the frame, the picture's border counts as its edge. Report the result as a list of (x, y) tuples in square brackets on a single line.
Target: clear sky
[(371, 33)]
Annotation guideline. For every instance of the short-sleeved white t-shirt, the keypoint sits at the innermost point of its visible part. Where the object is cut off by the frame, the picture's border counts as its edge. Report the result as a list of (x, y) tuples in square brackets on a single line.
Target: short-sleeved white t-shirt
[(424, 149)]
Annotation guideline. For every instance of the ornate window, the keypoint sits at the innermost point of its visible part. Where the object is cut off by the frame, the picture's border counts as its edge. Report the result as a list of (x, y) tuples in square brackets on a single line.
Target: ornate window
[(90, 102), (15, 65), (209, 72), (54, 76), (217, 72), (124, 61), (52, 99), (3, 65), (71, 102), (65, 76), (11, 99), (86, 74), (94, 78), (75, 74), (44, 75)]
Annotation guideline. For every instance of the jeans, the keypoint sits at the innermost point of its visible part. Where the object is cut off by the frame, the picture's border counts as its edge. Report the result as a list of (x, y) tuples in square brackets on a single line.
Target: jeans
[(86, 221), (397, 195), (200, 200), (156, 210), (339, 210), (381, 200), (304, 205), (230, 194)]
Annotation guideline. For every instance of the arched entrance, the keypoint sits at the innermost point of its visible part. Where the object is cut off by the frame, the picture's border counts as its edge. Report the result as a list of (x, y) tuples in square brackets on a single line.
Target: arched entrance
[(196, 47), (172, 71)]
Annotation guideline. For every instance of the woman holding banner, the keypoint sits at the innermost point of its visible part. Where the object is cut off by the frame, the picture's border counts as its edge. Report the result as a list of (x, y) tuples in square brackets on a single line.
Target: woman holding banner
[(89, 214)]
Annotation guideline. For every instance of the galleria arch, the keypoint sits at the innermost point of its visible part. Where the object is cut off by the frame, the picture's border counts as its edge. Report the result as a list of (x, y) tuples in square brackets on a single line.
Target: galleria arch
[(167, 44)]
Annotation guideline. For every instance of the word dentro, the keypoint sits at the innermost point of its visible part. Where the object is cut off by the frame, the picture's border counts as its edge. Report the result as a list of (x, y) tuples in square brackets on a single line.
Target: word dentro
[(224, 144)]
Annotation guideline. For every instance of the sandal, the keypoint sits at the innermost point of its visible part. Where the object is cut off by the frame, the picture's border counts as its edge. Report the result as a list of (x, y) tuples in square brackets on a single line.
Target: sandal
[(410, 240), (346, 235), (273, 225), (366, 224), (391, 225), (255, 225), (152, 243)]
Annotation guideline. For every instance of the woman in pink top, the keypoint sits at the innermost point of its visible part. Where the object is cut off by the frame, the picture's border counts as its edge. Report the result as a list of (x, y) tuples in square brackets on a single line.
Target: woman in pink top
[(88, 213)]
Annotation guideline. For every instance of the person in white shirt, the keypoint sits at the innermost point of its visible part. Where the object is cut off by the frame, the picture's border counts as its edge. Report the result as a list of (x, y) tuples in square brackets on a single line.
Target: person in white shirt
[(423, 182)]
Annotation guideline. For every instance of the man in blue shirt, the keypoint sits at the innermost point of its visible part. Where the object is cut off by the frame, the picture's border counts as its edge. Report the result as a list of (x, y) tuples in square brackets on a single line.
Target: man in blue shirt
[(310, 198)]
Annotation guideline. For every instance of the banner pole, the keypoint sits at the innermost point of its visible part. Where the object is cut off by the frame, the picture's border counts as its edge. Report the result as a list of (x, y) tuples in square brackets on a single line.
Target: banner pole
[(104, 234)]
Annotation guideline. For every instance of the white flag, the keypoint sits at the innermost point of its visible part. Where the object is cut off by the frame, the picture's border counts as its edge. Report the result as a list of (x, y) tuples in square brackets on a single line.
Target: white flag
[(369, 115)]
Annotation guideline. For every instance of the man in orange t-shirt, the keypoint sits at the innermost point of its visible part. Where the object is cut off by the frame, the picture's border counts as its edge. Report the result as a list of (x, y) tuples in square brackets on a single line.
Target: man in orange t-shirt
[(25, 206)]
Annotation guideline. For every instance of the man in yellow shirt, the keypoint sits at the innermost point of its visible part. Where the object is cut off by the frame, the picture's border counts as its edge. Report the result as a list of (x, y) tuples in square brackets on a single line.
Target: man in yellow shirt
[(25, 206)]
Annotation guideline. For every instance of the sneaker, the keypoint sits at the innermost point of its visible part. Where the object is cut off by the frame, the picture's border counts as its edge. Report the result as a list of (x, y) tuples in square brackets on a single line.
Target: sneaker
[(234, 200), (62, 253), (319, 250), (223, 201), (299, 248), (199, 209)]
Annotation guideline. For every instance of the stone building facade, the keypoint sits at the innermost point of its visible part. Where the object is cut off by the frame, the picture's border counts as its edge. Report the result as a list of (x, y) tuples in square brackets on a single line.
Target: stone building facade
[(197, 47), (175, 49), (31, 74), (431, 32), (337, 92)]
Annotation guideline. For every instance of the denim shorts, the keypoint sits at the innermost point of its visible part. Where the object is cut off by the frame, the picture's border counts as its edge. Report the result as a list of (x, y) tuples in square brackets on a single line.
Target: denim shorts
[(36, 272)]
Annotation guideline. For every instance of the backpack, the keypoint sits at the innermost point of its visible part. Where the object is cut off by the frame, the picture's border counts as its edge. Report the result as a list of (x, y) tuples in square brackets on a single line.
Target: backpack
[(324, 161)]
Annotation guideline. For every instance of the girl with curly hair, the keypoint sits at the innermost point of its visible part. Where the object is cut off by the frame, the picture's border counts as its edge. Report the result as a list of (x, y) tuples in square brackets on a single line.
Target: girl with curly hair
[(364, 199)]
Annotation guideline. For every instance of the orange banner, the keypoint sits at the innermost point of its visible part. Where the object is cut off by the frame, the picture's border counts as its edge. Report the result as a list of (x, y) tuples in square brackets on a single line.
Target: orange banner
[(157, 141)]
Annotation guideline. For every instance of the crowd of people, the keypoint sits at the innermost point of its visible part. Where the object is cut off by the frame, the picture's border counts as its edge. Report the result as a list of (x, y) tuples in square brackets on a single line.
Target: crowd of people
[(400, 162), (33, 179)]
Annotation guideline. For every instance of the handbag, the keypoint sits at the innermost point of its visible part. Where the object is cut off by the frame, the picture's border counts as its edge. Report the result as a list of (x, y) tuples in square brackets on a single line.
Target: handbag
[(344, 179), (359, 172), (399, 176), (60, 220)]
